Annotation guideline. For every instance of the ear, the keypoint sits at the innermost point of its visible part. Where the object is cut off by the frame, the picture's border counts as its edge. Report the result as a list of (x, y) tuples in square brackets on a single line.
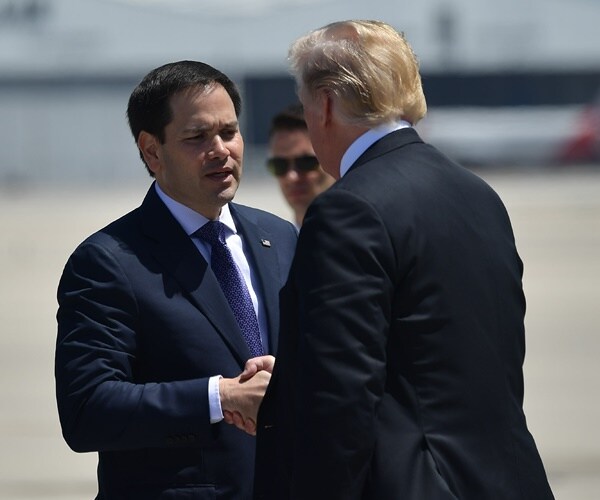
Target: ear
[(326, 104), (148, 145)]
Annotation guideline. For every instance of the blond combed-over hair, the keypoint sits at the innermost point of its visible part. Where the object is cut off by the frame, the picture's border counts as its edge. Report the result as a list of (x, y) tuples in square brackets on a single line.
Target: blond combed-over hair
[(368, 65)]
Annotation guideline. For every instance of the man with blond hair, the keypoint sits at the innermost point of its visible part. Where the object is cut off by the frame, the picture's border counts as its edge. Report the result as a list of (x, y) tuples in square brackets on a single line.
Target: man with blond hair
[(400, 374)]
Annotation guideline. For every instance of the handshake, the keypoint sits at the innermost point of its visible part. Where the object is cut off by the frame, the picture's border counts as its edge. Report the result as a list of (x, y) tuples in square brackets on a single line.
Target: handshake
[(241, 396)]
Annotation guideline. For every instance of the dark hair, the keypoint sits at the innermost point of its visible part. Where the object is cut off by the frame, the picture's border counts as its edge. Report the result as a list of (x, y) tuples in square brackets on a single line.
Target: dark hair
[(149, 104), (290, 118)]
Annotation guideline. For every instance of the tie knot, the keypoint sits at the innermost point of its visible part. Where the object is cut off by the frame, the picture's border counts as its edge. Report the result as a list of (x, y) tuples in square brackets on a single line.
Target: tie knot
[(212, 232)]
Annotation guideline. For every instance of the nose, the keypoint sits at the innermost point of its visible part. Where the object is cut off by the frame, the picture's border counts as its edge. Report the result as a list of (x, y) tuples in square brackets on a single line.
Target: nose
[(292, 174), (218, 148)]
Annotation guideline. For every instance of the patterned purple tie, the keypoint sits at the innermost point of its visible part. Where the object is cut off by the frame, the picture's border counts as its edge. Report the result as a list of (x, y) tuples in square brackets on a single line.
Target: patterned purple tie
[(232, 283)]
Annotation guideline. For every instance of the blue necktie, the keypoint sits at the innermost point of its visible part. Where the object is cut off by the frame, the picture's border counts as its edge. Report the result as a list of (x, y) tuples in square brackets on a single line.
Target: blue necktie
[(232, 283)]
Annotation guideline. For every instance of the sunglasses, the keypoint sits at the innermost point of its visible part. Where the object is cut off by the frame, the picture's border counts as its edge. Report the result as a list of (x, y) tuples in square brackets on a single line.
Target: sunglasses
[(281, 166)]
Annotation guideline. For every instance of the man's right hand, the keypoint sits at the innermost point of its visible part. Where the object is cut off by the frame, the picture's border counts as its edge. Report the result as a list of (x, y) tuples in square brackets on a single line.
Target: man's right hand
[(241, 396), (254, 365)]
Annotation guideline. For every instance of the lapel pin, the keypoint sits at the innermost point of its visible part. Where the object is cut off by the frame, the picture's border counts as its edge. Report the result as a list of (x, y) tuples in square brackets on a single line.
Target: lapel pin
[(265, 243)]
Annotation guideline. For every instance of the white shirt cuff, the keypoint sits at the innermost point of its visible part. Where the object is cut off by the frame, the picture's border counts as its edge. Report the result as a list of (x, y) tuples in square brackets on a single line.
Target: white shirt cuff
[(214, 400)]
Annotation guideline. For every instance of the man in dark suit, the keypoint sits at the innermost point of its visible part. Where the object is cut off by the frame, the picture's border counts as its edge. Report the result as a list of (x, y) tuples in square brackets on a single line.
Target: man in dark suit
[(400, 374), (149, 349)]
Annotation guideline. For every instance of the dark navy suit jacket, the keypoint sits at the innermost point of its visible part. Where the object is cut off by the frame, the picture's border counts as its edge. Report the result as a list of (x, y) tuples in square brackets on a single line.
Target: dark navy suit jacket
[(400, 373), (142, 325)]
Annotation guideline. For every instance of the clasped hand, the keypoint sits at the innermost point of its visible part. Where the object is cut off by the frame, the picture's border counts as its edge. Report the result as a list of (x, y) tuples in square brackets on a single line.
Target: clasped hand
[(241, 396)]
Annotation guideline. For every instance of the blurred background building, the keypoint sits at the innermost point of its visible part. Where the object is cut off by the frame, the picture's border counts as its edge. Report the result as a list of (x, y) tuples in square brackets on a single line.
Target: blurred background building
[(508, 83), (511, 88)]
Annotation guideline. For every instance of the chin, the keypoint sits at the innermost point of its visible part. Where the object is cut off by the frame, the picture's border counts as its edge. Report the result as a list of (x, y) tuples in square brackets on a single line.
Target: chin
[(297, 204), (228, 194)]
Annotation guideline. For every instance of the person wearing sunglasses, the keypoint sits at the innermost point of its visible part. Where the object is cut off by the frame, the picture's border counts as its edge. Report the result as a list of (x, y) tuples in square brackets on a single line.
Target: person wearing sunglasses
[(293, 162)]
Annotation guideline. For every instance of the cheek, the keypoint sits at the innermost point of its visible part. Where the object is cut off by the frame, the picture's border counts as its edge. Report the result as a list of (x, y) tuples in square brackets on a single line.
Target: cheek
[(285, 181), (237, 147), (314, 177)]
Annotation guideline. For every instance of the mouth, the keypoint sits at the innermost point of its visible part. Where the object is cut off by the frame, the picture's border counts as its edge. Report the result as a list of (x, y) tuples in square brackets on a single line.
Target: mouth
[(221, 174), (297, 191)]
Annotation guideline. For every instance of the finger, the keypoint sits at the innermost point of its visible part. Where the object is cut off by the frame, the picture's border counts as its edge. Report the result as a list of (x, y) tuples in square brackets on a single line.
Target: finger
[(254, 365), (250, 427), (238, 421), (267, 363), (228, 417), (250, 369)]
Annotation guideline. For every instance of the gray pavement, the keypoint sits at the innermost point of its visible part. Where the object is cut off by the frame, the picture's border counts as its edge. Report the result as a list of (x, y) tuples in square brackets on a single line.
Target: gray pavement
[(556, 217)]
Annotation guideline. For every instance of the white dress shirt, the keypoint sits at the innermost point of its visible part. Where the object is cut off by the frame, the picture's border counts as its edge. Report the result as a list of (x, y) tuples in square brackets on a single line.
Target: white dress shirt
[(191, 221), (365, 141)]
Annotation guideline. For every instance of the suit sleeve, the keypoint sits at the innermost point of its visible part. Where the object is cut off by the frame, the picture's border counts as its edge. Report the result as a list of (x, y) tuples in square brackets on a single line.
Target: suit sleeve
[(342, 276), (101, 407)]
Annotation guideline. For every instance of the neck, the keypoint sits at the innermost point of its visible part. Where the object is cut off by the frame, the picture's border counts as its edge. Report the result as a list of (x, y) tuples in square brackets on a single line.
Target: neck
[(299, 216)]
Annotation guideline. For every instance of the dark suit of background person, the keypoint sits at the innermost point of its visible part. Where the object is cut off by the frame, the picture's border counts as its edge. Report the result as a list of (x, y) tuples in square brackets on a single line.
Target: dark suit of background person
[(142, 321), (400, 375)]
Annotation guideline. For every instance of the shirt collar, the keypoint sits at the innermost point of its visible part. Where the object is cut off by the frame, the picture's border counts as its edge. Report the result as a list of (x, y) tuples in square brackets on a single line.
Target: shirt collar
[(366, 140), (189, 219)]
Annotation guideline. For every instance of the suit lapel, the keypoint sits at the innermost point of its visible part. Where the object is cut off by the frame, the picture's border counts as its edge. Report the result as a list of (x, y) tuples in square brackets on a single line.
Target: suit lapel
[(181, 260), (259, 247)]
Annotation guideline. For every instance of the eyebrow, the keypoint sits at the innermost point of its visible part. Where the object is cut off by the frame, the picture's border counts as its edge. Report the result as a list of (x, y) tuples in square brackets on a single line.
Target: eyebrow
[(203, 128)]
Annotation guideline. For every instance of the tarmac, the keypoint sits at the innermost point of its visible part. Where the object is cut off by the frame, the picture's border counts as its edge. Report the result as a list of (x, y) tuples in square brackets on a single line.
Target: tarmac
[(556, 219)]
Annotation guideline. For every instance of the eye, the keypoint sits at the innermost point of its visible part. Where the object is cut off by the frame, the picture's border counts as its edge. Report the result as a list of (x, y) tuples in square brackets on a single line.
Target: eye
[(197, 137), (229, 134)]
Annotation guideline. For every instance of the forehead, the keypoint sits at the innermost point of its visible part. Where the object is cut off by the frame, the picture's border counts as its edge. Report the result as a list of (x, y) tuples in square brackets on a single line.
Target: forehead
[(290, 135), (202, 101), (290, 143)]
